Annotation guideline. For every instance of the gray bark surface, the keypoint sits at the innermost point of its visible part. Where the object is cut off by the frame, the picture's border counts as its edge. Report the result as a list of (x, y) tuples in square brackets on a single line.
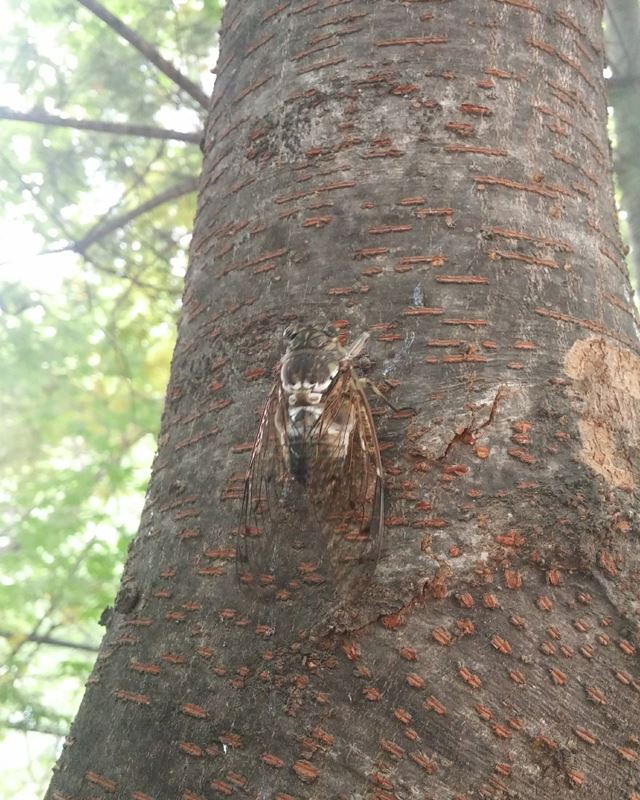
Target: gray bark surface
[(436, 173)]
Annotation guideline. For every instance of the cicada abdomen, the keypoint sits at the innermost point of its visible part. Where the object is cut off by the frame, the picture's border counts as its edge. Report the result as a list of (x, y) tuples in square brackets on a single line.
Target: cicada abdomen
[(312, 509)]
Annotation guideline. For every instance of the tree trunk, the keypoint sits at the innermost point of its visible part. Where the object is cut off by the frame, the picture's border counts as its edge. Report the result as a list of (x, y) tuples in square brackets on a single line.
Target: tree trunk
[(436, 173)]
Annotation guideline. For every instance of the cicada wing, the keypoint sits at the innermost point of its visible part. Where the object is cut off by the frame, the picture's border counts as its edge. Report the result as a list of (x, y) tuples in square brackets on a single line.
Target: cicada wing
[(328, 528), (264, 486), (347, 486)]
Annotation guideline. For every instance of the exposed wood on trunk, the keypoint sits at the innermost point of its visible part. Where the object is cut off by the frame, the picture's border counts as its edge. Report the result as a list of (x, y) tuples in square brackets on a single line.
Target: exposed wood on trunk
[(436, 173)]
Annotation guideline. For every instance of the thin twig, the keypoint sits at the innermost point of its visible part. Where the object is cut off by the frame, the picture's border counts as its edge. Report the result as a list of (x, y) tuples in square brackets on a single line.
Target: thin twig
[(625, 82), (147, 131), (147, 50), (136, 281), (103, 228), (51, 640), (33, 727)]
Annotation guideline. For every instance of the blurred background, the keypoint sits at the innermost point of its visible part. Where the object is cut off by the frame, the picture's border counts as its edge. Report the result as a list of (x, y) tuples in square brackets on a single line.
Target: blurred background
[(102, 113), (95, 227)]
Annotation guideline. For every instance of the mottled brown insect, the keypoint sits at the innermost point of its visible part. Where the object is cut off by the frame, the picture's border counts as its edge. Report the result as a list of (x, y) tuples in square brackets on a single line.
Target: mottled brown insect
[(312, 508)]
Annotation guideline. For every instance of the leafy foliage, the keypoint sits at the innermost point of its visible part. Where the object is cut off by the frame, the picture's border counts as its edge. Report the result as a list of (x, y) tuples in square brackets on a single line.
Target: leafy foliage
[(86, 335)]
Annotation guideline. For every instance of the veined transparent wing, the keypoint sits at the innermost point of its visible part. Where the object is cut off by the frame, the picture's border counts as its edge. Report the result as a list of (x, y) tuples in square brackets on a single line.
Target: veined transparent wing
[(330, 527)]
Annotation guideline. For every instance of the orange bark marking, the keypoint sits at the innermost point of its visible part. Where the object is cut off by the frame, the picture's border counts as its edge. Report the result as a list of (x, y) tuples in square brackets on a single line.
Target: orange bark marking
[(221, 787), (434, 212), (472, 323), (585, 735), (464, 358), (435, 705), (462, 129), (192, 710), (253, 47), (191, 749), (370, 252), (132, 697), (251, 88), (462, 279), (272, 761), (419, 311), (415, 681), (501, 645), (589, 324), (483, 712), (441, 636), (511, 538), (306, 771), (152, 669), (475, 110), (310, 50), (534, 188), (501, 73), (378, 229), (521, 455), (444, 343), (254, 261), (394, 750), (418, 40), (469, 148), (575, 777), (470, 678), (274, 11), (100, 780), (330, 62), (520, 4), (421, 760), (512, 255)]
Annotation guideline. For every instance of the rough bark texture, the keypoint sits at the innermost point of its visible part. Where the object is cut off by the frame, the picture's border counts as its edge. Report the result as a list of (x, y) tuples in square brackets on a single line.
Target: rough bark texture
[(437, 173)]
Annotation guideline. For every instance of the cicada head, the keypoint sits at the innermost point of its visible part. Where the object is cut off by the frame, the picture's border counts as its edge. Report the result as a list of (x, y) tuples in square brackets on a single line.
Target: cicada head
[(310, 337)]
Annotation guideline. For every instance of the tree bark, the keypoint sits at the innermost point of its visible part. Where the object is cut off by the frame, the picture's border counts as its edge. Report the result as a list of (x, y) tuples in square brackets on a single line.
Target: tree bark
[(436, 173)]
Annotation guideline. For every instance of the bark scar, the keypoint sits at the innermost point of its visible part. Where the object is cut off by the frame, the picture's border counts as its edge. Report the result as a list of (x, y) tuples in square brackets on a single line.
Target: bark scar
[(606, 381), (471, 430)]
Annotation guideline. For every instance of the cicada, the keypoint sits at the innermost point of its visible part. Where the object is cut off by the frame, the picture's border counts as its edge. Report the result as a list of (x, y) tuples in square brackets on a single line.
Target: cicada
[(312, 508)]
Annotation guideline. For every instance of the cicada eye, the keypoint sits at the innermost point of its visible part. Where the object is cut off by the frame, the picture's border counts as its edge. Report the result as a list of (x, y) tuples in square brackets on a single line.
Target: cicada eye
[(330, 332), (290, 333)]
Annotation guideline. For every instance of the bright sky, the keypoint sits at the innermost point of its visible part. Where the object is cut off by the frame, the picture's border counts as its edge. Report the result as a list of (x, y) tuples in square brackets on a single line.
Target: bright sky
[(22, 262)]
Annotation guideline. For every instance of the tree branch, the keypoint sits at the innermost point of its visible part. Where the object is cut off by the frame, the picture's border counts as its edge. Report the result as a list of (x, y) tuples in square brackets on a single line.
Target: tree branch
[(33, 727), (148, 131), (147, 50), (103, 229), (136, 281), (51, 640), (623, 82)]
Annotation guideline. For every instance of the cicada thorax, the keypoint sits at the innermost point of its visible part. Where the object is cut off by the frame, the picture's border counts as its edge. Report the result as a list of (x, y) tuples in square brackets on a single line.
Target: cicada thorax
[(309, 442)]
